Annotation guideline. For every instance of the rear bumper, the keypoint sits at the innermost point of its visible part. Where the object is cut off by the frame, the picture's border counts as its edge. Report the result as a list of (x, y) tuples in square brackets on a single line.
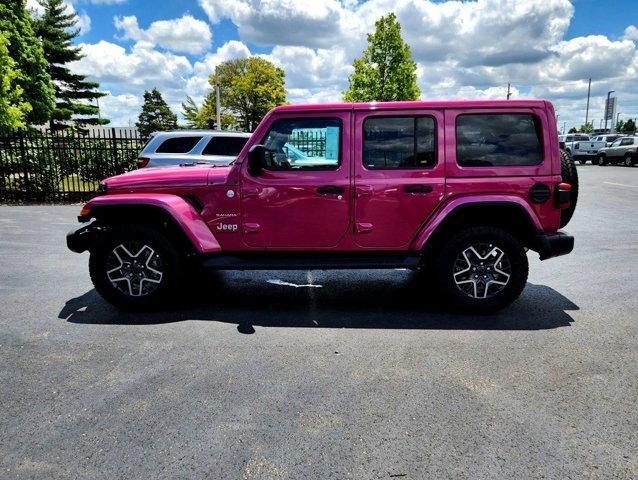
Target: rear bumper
[(79, 239), (549, 246)]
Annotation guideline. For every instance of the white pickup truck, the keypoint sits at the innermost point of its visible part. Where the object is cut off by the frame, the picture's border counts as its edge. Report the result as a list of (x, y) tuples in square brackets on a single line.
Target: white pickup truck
[(581, 147)]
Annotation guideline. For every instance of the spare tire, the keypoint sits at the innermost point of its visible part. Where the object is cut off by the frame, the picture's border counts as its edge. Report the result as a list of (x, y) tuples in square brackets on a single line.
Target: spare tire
[(569, 175)]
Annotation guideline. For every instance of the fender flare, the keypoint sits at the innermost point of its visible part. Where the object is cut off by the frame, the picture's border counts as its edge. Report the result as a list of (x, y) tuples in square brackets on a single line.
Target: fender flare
[(453, 206), (184, 215)]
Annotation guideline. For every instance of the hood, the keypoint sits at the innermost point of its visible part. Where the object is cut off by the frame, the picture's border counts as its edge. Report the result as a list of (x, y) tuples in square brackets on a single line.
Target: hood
[(186, 176)]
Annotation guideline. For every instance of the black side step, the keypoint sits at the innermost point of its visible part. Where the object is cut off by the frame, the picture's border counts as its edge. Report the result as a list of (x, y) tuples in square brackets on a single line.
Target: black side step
[(310, 262)]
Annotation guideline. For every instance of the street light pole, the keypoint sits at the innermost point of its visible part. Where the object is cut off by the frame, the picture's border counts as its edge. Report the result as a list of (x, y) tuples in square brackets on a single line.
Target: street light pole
[(607, 107), (588, 96)]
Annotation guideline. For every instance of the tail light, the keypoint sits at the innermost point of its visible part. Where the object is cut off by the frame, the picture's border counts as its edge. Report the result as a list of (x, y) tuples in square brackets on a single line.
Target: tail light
[(563, 195), (142, 162)]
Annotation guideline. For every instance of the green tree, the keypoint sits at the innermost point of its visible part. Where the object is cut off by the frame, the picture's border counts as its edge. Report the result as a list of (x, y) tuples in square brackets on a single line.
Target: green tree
[(75, 96), (620, 126), (29, 62), (385, 71), (207, 116), (13, 107), (156, 115), (190, 110), (573, 130), (586, 128), (249, 88), (630, 126)]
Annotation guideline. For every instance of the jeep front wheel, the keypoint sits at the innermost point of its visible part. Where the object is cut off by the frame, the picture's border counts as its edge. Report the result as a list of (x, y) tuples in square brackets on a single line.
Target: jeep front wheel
[(482, 269), (134, 267)]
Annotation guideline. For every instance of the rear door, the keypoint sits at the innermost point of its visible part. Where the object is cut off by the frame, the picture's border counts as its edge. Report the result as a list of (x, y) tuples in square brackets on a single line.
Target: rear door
[(399, 174)]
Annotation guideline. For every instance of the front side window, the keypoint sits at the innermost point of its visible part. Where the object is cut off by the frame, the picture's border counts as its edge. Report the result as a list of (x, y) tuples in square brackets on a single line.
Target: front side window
[(311, 143), (178, 145), (225, 146), (498, 140), (399, 142), (616, 143)]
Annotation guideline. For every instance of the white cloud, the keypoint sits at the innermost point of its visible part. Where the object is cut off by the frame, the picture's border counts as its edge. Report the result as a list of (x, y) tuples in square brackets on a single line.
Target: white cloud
[(84, 23), (142, 67), (121, 110), (631, 33), (197, 85), (184, 34)]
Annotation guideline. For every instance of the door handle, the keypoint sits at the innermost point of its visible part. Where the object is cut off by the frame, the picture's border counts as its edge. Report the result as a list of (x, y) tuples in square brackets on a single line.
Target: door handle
[(330, 190), (418, 188)]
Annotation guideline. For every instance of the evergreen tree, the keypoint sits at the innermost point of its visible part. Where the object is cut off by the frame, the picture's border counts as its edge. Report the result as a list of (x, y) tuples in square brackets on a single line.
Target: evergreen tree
[(190, 111), (155, 115), (630, 126), (385, 71), (573, 130), (29, 62), (13, 107), (75, 96)]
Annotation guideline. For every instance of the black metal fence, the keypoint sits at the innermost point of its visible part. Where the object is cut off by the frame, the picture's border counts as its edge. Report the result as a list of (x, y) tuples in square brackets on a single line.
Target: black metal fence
[(63, 165), (311, 142)]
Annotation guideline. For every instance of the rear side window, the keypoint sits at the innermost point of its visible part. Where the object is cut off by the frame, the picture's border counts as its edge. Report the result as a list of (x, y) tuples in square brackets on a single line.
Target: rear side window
[(399, 142), (498, 140), (178, 145), (230, 146), (627, 141)]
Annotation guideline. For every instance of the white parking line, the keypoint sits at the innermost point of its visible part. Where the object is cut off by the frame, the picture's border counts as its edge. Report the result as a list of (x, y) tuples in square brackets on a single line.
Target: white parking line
[(621, 185)]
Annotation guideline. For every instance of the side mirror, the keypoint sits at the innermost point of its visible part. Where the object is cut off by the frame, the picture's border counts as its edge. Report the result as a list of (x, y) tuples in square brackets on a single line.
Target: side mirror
[(256, 159)]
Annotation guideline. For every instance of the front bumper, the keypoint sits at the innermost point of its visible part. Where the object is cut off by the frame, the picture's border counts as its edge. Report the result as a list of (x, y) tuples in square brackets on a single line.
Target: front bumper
[(549, 246), (80, 238)]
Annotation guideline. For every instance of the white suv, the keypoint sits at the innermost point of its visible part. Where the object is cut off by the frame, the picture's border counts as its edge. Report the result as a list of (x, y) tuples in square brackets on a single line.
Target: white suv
[(180, 147)]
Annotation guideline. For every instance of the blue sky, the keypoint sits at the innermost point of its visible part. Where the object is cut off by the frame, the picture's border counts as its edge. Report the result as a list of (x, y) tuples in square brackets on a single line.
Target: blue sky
[(545, 48)]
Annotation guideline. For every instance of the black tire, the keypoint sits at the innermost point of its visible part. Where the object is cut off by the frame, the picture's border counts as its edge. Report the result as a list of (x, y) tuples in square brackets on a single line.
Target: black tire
[(582, 161), (602, 160), (629, 160), (169, 264), (569, 175), (486, 237)]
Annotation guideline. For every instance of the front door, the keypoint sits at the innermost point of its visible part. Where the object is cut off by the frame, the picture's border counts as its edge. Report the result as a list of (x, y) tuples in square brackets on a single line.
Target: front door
[(301, 199), (399, 175)]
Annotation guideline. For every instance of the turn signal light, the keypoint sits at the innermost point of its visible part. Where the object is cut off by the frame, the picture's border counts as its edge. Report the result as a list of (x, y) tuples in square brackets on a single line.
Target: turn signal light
[(142, 162)]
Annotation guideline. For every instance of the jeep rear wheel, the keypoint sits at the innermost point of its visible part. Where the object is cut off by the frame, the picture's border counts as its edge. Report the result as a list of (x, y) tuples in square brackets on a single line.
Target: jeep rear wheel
[(482, 269), (134, 267)]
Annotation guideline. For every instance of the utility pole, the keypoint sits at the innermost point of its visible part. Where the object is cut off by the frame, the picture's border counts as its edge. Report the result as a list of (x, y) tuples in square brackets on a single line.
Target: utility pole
[(218, 118), (564, 127), (588, 96), (509, 93)]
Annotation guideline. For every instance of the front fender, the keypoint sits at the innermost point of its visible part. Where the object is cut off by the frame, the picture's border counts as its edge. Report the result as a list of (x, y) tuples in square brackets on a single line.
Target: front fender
[(435, 221), (182, 212)]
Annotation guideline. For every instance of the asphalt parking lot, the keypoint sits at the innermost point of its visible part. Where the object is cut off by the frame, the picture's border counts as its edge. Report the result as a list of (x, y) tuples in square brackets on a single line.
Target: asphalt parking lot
[(293, 375)]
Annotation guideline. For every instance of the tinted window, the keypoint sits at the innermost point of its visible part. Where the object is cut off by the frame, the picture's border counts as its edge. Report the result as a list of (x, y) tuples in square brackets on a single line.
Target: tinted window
[(304, 144), (627, 141), (178, 145), (570, 139), (498, 140), (230, 146), (583, 138), (399, 142)]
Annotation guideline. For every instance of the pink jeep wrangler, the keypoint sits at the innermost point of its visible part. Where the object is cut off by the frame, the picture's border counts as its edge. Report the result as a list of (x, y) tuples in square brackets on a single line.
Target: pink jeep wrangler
[(458, 189)]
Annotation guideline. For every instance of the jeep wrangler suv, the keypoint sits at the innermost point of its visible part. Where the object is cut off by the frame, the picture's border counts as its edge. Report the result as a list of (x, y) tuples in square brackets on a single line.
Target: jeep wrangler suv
[(460, 190)]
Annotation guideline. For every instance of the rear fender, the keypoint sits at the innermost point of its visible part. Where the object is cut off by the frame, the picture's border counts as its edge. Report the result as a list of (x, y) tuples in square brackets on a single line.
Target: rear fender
[(184, 215), (458, 204)]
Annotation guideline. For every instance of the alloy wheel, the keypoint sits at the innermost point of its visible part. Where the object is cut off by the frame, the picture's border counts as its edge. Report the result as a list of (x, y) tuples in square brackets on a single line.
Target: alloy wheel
[(134, 268), (482, 270)]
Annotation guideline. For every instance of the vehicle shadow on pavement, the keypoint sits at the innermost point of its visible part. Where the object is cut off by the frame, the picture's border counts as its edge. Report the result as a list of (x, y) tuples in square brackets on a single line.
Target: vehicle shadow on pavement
[(370, 301)]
